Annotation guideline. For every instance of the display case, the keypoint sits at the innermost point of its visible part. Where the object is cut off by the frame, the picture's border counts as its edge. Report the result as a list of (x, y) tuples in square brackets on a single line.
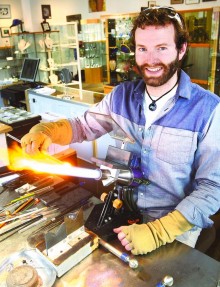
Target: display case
[(22, 45), (93, 50), (8, 67), (58, 51), (47, 50), (63, 54), (202, 62), (200, 25), (120, 57)]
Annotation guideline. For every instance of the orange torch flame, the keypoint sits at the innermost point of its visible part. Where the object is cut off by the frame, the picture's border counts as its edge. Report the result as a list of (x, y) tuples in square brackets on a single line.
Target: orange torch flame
[(45, 163)]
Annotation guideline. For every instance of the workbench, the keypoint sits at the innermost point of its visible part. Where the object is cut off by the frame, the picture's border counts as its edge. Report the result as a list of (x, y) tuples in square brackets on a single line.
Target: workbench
[(187, 266)]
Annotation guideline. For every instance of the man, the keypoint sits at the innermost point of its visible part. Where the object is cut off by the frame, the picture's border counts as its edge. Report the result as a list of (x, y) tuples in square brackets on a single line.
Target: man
[(175, 125)]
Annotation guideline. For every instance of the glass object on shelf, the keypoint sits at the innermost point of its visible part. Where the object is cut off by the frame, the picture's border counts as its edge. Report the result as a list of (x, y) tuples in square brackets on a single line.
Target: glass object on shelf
[(46, 45), (24, 44), (93, 53), (93, 50), (92, 30), (65, 52), (121, 60)]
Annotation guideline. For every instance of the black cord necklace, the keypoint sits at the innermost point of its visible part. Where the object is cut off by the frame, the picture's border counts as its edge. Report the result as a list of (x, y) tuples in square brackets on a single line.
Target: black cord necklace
[(153, 105)]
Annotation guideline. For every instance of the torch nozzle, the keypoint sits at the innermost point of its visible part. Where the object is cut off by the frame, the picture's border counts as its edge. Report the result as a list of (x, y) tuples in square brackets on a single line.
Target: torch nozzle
[(105, 174)]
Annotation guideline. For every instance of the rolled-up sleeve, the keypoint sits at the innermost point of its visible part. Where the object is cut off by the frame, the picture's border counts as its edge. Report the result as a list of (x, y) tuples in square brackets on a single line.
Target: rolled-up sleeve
[(85, 127)]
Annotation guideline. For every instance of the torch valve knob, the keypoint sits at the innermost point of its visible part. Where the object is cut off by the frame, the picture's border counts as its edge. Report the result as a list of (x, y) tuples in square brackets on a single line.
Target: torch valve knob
[(117, 203)]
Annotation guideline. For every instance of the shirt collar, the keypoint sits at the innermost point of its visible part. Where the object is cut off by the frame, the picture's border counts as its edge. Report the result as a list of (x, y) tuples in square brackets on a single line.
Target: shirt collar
[(184, 89)]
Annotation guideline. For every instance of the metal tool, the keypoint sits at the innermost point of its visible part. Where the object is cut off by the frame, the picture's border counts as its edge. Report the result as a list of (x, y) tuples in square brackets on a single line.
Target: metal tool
[(133, 263), (14, 138), (122, 168), (18, 224), (7, 178), (36, 185), (166, 281), (69, 245), (27, 214)]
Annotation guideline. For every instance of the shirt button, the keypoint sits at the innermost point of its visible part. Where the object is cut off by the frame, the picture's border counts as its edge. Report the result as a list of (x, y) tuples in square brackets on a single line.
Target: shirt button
[(145, 151), (140, 129)]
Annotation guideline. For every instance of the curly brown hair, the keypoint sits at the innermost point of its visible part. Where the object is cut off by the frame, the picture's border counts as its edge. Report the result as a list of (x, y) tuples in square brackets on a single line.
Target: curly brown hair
[(161, 16)]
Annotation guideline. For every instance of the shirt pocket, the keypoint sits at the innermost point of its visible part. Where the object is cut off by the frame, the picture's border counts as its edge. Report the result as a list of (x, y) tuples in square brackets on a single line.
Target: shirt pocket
[(175, 146)]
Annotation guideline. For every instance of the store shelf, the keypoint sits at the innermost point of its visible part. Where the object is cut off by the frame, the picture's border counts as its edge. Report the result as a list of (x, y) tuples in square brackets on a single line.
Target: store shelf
[(65, 53), (119, 57), (93, 50)]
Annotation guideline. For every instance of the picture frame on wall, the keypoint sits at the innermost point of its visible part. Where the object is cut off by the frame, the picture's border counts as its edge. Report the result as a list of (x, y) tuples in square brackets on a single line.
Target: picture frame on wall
[(151, 4), (5, 11), (45, 26), (187, 2), (5, 32), (172, 2), (46, 11)]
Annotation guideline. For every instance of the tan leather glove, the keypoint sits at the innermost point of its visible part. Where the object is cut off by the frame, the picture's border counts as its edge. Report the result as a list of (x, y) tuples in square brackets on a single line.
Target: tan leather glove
[(42, 135), (144, 238)]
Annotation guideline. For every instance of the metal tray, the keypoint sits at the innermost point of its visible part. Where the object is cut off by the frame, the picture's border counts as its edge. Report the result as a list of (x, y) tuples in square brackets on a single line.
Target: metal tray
[(33, 258)]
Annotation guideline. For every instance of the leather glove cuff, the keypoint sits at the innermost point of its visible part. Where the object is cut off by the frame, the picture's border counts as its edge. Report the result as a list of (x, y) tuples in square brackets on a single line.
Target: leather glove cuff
[(59, 132), (144, 238)]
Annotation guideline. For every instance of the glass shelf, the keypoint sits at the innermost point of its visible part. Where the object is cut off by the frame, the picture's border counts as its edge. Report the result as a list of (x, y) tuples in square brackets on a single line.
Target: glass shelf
[(93, 50), (120, 57)]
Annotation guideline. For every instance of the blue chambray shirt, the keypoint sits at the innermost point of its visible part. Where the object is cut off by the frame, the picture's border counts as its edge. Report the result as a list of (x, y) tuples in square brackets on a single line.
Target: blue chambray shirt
[(180, 151)]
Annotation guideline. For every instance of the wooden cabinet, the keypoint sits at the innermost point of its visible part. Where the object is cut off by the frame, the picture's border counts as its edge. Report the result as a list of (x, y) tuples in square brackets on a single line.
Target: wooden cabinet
[(93, 75)]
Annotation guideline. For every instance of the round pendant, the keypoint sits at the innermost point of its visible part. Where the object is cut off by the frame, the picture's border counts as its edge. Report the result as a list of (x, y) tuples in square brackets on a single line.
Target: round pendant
[(152, 106)]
